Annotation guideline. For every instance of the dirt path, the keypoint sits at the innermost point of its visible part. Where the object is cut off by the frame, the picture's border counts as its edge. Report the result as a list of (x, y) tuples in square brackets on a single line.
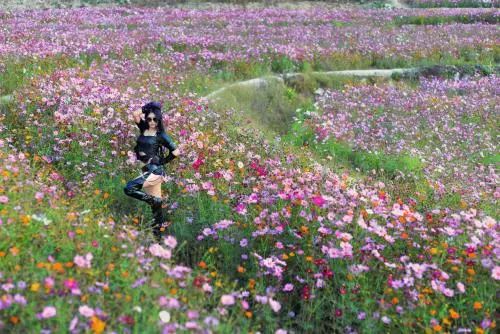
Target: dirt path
[(398, 4), (260, 82)]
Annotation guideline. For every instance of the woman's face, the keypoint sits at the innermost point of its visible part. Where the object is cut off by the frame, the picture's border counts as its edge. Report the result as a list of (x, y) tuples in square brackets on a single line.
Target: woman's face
[(152, 121)]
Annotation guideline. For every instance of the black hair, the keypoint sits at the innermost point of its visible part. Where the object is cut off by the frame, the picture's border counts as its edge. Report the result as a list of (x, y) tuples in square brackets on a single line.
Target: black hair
[(155, 108)]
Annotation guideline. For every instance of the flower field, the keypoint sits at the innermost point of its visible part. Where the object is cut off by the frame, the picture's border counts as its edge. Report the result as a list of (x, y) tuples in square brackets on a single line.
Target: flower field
[(268, 235)]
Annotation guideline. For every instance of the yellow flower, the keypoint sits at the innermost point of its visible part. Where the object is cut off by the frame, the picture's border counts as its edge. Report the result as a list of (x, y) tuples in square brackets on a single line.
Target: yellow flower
[(433, 251), (35, 287)]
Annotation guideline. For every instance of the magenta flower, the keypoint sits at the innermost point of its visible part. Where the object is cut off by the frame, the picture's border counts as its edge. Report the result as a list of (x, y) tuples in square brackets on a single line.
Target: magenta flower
[(318, 201)]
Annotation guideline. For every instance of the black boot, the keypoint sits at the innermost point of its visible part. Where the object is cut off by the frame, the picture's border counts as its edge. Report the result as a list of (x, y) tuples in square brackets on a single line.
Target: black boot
[(158, 220), (134, 189)]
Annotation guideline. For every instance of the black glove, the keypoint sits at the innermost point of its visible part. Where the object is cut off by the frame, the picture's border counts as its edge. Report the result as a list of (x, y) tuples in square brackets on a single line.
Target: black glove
[(167, 159)]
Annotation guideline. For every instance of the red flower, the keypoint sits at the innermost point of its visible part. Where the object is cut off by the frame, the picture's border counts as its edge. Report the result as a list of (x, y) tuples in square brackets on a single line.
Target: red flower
[(305, 292), (199, 161)]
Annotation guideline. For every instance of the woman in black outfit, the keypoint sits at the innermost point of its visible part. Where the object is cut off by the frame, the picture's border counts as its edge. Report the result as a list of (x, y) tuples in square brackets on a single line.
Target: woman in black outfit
[(149, 150)]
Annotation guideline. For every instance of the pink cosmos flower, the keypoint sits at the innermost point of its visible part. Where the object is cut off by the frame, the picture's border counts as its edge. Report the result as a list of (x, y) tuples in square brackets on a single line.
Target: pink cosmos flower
[(206, 287), (83, 262), (170, 241), (48, 312), (227, 300), (4, 199), (495, 273), (159, 251), (86, 311), (275, 306)]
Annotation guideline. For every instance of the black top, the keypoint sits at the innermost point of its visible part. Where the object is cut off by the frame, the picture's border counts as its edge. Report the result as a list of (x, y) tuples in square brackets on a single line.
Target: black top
[(151, 146)]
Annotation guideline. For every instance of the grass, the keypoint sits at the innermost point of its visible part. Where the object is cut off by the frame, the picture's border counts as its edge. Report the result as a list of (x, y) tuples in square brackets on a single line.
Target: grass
[(451, 4), (435, 20)]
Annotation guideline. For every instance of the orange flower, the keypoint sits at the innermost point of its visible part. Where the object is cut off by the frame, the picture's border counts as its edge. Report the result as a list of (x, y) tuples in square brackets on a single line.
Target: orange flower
[(454, 314), (241, 269), (202, 264), (395, 300), (248, 314), (25, 219), (477, 306), (14, 250), (58, 267), (437, 328), (97, 325)]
